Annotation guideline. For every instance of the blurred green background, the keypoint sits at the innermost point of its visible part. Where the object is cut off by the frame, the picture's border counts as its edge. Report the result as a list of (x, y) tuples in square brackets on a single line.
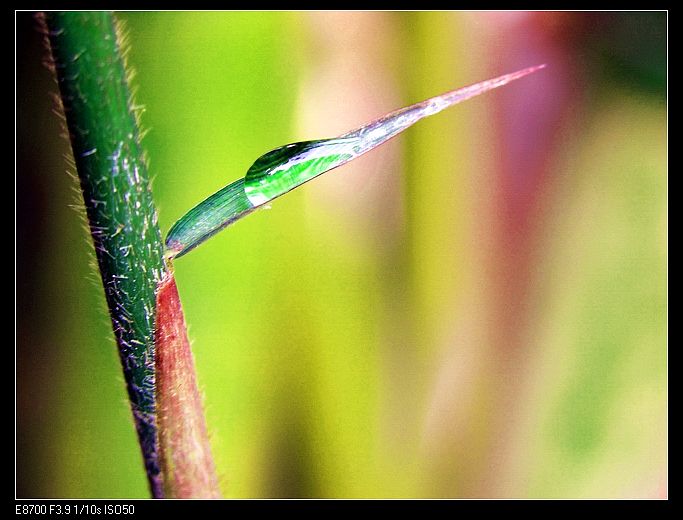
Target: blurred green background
[(476, 309)]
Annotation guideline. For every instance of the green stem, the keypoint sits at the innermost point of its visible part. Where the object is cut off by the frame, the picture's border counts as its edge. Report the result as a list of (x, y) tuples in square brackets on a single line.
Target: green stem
[(86, 48)]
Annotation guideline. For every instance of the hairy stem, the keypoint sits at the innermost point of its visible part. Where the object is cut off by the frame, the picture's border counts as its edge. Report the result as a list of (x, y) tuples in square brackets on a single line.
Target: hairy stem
[(184, 450), (88, 61)]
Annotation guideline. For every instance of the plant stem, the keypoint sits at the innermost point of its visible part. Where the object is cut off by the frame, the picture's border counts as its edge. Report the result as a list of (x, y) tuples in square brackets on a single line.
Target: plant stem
[(184, 450), (87, 54)]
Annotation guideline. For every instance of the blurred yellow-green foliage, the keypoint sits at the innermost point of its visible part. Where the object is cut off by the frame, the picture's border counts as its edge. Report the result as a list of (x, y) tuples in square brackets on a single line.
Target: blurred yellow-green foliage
[(476, 309)]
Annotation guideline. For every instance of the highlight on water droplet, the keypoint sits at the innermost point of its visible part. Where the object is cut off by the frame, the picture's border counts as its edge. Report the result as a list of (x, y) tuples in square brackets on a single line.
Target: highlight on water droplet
[(287, 167)]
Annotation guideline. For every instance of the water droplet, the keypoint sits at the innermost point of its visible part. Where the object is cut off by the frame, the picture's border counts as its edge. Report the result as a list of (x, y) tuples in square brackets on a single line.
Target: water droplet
[(283, 169)]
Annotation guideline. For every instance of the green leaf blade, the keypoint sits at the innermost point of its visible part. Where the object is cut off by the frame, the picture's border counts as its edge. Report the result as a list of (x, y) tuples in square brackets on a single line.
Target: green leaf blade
[(287, 167), (208, 218)]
